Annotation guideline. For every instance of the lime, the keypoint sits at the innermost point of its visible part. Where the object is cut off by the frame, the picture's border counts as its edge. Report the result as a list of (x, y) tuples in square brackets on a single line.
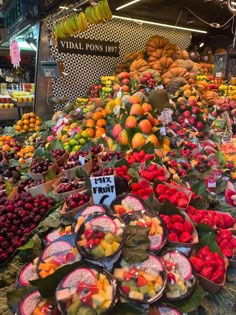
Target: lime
[(73, 142), (77, 148), (82, 141), (78, 136)]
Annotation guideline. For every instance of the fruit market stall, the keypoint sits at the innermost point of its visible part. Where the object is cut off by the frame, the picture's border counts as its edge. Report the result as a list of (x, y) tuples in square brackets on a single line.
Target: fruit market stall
[(120, 204)]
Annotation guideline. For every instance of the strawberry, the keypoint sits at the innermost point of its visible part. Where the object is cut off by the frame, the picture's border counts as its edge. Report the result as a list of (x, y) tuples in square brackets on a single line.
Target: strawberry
[(188, 227), (198, 263), (206, 272), (141, 282), (211, 263), (135, 186), (93, 289), (225, 234), (226, 244), (227, 252), (177, 218), (233, 242), (160, 189), (125, 289), (186, 237), (182, 203), (163, 198), (196, 218), (228, 220), (177, 227), (87, 299), (127, 276), (204, 251), (217, 277), (173, 237)]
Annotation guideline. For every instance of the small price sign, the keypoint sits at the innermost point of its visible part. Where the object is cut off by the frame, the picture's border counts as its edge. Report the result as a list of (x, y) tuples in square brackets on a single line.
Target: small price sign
[(103, 189)]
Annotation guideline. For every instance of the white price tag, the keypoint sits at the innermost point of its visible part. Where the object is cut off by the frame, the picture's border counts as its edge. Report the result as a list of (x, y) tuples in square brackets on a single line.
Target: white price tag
[(82, 160), (103, 189)]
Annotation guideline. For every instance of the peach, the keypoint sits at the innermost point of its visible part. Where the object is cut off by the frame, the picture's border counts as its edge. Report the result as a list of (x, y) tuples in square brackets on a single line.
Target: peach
[(131, 122), (138, 140), (151, 118), (136, 109), (146, 107), (145, 126), (125, 88), (152, 138), (116, 130)]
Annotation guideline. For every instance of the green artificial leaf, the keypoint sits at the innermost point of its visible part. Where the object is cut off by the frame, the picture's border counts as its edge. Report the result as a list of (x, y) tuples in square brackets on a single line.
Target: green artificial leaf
[(169, 209), (128, 309), (87, 146), (221, 158), (49, 123), (51, 174), (148, 148), (199, 203), (199, 188), (136, 245), (157, 160), (47, 286), (192, 302), (55, 144), (29, 245), (153, 203), (231, 275), (48, 155), (53, 220), (111, 163), (10, 270), (81, 173), (39, 152), (224, 207), (203, 229), (14, 163), (122, 162), (133, 173), (4, 308), (221, 186), (209, 240)]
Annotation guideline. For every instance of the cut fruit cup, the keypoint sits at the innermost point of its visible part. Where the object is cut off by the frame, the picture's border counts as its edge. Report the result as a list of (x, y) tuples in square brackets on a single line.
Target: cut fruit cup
[(141, 283), (57, 254), (148, 219), (90, 210), (181, 276), (27, 273), (87, 290), (127, 203), (100, 239), (34, 304)]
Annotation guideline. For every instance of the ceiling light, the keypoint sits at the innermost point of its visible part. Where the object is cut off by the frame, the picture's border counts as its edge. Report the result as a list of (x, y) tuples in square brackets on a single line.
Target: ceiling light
[(63, 8), (127, 4), (160, 24), (201, 44)]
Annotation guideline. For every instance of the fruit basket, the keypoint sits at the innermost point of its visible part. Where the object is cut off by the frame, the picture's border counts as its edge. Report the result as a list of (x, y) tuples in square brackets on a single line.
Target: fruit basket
[(227, 244), (43, 188), (141, 283), (60, 157), (75, 203), (41, 176), (63, 190), (90, 210), (87, 290), (127, 203), (148, 219), (100, 239), (71, 172), (152, 172), (181, 277), (105, 157)]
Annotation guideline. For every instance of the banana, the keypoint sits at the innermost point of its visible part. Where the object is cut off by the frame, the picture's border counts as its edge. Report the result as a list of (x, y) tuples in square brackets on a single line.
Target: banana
[(88, 14), (100, 10), (71, 25), (84, 21), (107, 14), (80, 23), (96, 15)]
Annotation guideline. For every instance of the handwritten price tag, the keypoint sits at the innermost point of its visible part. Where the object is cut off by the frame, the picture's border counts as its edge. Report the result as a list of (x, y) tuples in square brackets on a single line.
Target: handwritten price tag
[(103, 189)]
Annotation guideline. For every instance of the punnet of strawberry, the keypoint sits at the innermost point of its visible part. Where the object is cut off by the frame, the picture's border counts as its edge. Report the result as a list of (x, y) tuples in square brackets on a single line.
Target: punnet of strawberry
[(210, 265), (179, 228), (141, 189), (175, 195), (139, 157), (152, 172), (227, 243)]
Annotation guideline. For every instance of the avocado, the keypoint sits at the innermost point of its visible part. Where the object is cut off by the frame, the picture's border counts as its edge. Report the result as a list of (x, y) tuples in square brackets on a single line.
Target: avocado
[(86, 310), (69, 107), (74, 307)]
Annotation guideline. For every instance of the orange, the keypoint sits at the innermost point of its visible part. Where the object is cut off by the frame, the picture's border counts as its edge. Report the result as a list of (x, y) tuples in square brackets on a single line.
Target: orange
[(187, 93), (31, 125), (105, 112), (89, 123), (146, 107), (100, 132), (18, 128), (6, 147), (186, 87), (32, 114), (37, 128), (25, 116), (131, 122), (20, 122), (7, 138), (101, 123), (134, 99), (32, 120), (145, 126), (26, 122), (37, 123), (91, 132), (97, 115), (25, 127)]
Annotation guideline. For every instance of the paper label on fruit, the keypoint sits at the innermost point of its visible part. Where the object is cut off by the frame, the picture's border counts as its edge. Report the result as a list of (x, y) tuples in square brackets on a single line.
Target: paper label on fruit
[(167, 311), (211, 184), (27, 274), (85, 275), (28, 305), (56, 248), (82, 160), (152, 263)]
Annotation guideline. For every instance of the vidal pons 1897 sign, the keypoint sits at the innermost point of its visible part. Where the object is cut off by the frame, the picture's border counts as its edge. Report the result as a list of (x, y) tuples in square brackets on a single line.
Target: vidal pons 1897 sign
[(88, 47)]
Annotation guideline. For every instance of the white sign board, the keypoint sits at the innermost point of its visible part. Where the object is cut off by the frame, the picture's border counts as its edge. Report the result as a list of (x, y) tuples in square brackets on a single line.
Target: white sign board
[(103, 189)]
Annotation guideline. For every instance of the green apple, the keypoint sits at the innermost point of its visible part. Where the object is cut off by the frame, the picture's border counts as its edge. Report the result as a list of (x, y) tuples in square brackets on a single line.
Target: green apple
[(77, 148), (73, 142), (82, 141), (78, 136), (85, 134)]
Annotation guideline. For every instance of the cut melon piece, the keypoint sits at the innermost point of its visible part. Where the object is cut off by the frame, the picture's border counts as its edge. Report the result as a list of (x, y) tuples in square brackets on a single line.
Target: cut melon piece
[(148, 277), (97, 252), (108, 251), (173, 294), (105, 284), (157, 287), (136, 295), (101, 277), (104, 244), (144, 289), (119, 274), (102, 293), (110, 237), (73, 308), (109, 292), (115, 246), (106, 305), (182, 264), (98, 299), (152, 293), (105, 223)]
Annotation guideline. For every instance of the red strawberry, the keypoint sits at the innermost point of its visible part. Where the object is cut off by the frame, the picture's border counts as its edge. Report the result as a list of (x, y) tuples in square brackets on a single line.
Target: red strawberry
[(228, 220), (93, 289), (182, 203), (163, 198), (177, 218), (198, 263), (188, 227), (173, 237), (227, 252), (197, 218), (186, 237), (211, 263), (204, 251), (166, 218), (135, 186), (125, 289), (191, 210), (178, 227), (160, 189), (233, 242), (173, 199), (217, 277), (141, 282), (206, 272), (226, 244)]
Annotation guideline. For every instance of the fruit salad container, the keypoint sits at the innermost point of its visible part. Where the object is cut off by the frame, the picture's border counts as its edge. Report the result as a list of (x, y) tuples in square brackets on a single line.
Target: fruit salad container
[(157, 228), (71, 173), (41, 176), (181, 231), (72, 185), (152, 172), (87, 290), (181, 277), (75, 203), (141, 283), (27, 273), (57, 254), (43, 188), (100, 239), (127, 203), (177, 195), (211, 269), (57, 233), (81, 216), (34, 304), (163, 310)]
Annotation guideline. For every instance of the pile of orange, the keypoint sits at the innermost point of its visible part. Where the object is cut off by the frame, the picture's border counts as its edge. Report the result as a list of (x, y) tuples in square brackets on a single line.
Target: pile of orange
[(96, 125), (28, 123), (26, 152)]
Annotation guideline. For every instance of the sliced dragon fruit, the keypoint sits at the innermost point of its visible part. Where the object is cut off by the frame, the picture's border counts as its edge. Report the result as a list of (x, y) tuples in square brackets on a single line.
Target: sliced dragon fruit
[(53, 235), (92, 210), (165, 310), (29, 303), (85, 275), (105, 223), (27, 274), (56, 247), (156, 241), (131, 202), (152, 263), (182, 264)]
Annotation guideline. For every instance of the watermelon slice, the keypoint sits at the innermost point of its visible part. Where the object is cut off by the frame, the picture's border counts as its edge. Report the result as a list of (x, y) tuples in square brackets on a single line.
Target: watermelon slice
[(156, 241), (105, 223), (182, 264), (55, 248), (27, 274), (92, 210), (152, 263), (165, 310), (85, 275), (29, 303), (131, 202)]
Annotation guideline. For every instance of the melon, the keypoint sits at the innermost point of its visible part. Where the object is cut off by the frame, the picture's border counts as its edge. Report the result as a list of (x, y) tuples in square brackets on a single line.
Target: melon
[(182, 264), (85, 275), (105, 223)]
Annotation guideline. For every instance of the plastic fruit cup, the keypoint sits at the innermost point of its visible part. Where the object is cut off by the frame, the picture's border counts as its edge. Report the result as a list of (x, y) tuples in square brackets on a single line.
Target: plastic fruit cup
[(104, 223)]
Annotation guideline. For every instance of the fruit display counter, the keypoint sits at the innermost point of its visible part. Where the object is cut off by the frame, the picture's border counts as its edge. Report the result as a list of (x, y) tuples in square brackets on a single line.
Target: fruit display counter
[(161, 238)]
